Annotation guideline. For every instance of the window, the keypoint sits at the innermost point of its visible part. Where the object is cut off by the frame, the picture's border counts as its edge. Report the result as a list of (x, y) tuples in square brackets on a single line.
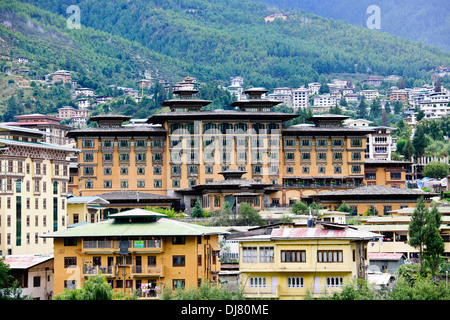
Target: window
[(107, 171), (178, 240), (175, 183), (356, 169), (178, 283), (295, 282), (335, 282), (305, 169), (371, 176), (88, 157), (70, 262), (140, 143), (396, 176), (329, 256), (337, 169), (293, 256), (89, 171), (178, 261), (356, 156), (141, 183), (157, 183), (306, 156), (258, 282), (356, 143), (266, 254), (107, 184), (124, 184), (124, 171), (249, 254), (87, 144), (321, 156), (321, 143), (140, 170)]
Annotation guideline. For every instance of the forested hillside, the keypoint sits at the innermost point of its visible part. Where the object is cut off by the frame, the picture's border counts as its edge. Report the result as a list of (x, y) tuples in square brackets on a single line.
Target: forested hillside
[(424, 21), (209, 40), (222, 38)]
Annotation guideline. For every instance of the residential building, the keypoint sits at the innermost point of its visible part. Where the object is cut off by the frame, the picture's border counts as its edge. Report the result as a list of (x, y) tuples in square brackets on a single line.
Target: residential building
[(384, 172), (275, 15), (33, 190), (137, 250), (370, 94), (284, 95), (34, 273), (373, 80), (54, 132), (237, 87), (371, 198), (290, 263), (325, 100), (300, 98), (59, 76), (399, 95), (85, 209), (84, 92), (314, 87)]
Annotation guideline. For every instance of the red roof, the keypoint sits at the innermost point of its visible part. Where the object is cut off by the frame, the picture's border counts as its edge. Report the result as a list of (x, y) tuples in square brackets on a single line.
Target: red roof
[(384, 256), (26, 261)]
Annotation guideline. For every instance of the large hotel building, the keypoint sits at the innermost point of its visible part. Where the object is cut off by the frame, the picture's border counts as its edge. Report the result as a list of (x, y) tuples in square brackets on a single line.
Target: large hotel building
[(246, 154)]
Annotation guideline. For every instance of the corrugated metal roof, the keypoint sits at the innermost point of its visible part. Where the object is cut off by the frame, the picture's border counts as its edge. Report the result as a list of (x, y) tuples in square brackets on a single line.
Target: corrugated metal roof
[(111, 228), (25, 261)]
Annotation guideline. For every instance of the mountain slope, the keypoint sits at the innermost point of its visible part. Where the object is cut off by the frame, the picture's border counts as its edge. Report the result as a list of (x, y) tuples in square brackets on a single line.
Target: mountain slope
[(424, 21), (217, 39)]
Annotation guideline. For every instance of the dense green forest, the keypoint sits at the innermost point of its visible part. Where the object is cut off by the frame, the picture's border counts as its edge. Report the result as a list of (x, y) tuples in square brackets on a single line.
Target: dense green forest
[(211, 40), (417, 20), (219, 39)]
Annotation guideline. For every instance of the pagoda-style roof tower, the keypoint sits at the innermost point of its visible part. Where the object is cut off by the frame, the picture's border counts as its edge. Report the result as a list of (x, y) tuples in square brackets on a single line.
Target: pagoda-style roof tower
[(186, 101), (255, 102)]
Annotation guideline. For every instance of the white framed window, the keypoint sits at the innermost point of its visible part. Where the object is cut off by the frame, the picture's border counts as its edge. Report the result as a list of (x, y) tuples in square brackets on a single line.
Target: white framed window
[(258, 282), (295, 282), (249, 254), (266, 254), (335, 282)]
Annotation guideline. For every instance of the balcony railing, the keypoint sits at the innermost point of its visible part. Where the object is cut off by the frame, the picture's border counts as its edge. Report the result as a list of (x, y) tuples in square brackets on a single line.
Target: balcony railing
[(92, 270), (146, 270)]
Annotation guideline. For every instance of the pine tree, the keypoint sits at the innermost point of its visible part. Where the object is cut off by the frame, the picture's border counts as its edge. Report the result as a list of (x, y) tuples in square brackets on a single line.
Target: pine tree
[(434, 244), (197, 212), (362, 109), (416, 228)]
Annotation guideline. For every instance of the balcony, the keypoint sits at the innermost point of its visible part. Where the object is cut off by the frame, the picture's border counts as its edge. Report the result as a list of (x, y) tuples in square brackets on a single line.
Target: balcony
[(94, 270), (146, 271), (113, 246)]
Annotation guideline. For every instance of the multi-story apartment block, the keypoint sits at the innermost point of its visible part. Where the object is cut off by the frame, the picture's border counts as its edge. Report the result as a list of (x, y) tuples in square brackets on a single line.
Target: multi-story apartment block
[(59, 76), (300, 98), (314, 87), (399, 95), (325, 100), (370, 94), (137, 250), (290, 263), (33, 189), (54, 132), (284, 95)]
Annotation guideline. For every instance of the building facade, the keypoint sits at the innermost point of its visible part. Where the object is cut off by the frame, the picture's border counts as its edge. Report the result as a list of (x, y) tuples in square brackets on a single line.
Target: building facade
[(34, 184), (289, 263), (137, 250)]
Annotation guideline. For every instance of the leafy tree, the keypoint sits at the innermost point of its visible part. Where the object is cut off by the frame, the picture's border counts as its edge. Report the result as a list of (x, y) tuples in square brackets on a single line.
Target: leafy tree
[(436, 170), (5, 277), (249, 216), (375, 109), (95, 288), (197, 212), (324, 88), (408, 150), (344, 208), (300, 208), (206, 291)]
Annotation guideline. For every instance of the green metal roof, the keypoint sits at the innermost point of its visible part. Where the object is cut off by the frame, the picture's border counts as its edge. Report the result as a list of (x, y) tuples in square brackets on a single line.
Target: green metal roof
[(112, 228)]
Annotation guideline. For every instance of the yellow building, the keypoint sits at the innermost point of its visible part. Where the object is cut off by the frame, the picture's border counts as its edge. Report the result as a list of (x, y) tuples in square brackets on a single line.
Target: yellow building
[(85, 209), (385, 172), (189, 146), (33, 190), (290, 263), (137, 250), (394, 228)]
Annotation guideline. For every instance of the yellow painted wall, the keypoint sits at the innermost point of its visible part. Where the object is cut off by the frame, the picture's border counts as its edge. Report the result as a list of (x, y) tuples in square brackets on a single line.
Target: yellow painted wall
[(190, 272)]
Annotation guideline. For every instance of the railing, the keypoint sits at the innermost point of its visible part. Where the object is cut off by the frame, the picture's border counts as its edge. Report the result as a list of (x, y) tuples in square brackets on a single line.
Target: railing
[(87, 270), (146, 270), (114, 244)]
